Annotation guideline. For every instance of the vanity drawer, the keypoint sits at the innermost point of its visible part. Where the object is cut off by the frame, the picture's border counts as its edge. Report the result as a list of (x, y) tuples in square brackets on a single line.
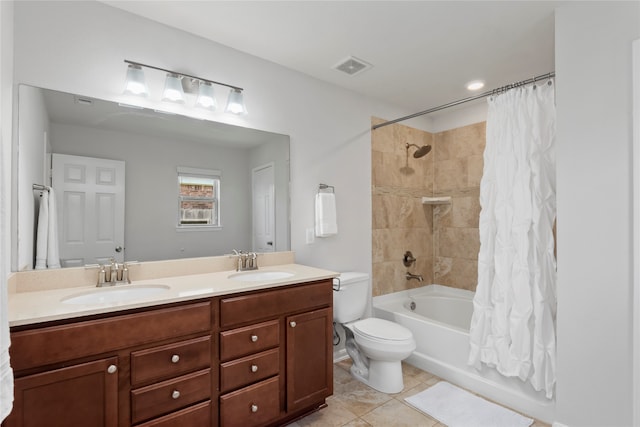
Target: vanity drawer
[(251, 406), (250, 339), (162, 398), (266, 304), (42, 346), (196, 415), (170, 360), (241, 372)]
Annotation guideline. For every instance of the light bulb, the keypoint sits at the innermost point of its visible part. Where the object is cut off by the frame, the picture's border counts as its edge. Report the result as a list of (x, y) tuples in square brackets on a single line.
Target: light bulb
[(235, 103), (206, 98), (135, 83), (173, 89)]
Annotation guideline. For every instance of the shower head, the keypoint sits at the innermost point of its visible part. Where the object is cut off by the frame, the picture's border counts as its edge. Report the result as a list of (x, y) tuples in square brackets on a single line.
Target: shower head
[(421, 151)]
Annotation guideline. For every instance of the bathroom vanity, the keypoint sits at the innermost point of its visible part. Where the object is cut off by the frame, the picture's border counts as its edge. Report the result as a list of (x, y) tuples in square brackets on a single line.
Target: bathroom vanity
[(233, 358)]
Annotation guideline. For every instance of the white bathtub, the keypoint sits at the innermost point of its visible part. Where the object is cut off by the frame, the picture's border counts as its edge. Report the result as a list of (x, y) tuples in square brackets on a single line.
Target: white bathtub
[(440, 324)]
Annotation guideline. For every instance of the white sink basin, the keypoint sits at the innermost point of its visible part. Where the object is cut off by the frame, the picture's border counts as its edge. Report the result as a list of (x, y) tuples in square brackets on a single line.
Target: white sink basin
[(260, 276), (119, 293)]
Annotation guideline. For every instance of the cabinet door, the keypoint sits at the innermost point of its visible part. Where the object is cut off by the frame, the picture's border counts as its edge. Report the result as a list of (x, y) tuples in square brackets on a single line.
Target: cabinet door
[(81, 395), (309, 358)]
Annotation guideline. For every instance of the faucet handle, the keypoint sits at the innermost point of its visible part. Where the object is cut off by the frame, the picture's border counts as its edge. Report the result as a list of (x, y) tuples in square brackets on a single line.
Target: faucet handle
[(102, 274)]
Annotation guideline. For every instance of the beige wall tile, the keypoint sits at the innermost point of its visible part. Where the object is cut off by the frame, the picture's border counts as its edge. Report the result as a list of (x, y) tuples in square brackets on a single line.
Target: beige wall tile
[(474, 170), (457, 272), (461, 142), (459, 243), (465, 212), (450, 175)]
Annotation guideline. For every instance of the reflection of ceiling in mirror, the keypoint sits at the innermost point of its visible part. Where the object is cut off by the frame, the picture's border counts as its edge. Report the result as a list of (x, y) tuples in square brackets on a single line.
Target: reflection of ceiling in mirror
[(84, 111)]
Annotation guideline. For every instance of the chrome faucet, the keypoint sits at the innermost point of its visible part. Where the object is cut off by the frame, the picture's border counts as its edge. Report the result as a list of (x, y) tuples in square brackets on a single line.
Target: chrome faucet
[(417, 277), (113, 273), (246, 260)]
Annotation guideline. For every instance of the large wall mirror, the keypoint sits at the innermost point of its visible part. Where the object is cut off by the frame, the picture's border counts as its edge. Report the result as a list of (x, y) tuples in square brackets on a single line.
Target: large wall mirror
[(71, 142)]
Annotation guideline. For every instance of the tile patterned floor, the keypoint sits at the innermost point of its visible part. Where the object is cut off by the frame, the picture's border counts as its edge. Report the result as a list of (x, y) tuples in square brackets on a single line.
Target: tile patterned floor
[(354, 404)]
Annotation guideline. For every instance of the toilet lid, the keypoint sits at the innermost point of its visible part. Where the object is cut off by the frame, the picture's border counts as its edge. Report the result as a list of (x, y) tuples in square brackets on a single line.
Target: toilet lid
[(382, 329)]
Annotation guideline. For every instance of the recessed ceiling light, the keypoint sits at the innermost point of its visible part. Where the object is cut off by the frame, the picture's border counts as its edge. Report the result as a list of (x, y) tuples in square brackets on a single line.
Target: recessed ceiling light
[(475, 85)]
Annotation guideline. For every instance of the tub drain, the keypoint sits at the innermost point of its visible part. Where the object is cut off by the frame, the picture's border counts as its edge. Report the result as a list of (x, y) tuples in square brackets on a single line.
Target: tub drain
[(412, 306)]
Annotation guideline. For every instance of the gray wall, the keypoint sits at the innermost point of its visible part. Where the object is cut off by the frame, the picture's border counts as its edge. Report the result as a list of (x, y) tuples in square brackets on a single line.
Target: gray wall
[(594, 177)]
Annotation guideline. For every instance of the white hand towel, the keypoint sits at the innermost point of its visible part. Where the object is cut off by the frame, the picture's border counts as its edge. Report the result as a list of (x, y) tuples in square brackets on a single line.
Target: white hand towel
[(53, 256), (42, 232), (47, 234), (326, 216)]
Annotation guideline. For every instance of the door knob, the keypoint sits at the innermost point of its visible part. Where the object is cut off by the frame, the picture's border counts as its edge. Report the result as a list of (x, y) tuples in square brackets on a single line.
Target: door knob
[(112, 369), (293, 324)]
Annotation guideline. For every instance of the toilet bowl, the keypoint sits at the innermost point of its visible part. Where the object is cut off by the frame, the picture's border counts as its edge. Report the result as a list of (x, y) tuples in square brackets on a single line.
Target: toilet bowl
[(376, 346), (385, 344)]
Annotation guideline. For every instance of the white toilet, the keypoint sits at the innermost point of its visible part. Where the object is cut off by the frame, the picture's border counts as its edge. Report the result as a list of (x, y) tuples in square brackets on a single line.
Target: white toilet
[(376, 346)]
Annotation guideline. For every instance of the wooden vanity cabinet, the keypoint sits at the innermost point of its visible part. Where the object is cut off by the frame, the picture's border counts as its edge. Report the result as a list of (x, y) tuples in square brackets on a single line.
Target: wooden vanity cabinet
[(85, 394), (108, 371), (254, 359), (309, 358), (276, 354)]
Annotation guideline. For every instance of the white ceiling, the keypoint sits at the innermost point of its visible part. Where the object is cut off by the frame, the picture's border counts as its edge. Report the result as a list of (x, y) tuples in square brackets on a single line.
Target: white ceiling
[(423, 52)]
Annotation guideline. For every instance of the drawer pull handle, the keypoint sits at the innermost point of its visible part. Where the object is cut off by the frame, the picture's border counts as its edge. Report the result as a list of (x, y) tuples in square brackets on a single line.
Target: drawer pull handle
[(293, 324), (254, 368), (175, 358), (254, 338), (112, 369), (175, 394), (254, 408)]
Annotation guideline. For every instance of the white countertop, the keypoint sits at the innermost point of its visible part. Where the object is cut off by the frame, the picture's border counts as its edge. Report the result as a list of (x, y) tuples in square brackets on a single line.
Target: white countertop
[(27, 308)]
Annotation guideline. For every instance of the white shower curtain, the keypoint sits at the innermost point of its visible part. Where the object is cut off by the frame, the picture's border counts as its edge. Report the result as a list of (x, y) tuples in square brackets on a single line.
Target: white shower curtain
[(513, 323)]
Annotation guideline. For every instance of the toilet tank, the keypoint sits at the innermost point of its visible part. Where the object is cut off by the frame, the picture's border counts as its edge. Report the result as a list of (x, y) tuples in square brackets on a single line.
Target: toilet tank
[(350, 296)]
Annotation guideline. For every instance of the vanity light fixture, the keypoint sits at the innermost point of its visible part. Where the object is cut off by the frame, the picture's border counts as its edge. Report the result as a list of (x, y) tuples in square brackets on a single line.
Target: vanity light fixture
[(177, 83)]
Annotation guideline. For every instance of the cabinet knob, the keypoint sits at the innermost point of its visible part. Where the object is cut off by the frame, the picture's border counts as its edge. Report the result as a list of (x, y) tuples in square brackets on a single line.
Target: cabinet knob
[(254, 368), (293, 324), (254, 408), (175, 358), (175, 394), (254, 338), (112, 369)]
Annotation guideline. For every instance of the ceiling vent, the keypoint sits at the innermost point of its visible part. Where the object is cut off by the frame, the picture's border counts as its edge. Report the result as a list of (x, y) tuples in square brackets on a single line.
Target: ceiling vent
[(352, 66)]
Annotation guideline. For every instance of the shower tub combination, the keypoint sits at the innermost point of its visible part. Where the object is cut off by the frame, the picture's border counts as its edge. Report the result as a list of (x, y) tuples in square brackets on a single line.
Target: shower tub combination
[(439, 318)]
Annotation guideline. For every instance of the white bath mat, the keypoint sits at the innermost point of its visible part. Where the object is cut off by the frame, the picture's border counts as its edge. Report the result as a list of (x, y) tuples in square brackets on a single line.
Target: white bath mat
[(458, 408)]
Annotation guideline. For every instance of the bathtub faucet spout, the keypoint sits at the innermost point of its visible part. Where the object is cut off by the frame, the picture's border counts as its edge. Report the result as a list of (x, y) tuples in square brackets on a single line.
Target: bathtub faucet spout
[(417, 277)]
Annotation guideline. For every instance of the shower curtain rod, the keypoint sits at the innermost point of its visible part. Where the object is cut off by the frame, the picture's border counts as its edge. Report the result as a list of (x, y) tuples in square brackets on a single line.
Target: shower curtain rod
[(471, 98)]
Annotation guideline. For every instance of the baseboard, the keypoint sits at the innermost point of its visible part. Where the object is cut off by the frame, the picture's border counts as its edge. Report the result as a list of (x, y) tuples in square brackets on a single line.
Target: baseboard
[(341, 355)]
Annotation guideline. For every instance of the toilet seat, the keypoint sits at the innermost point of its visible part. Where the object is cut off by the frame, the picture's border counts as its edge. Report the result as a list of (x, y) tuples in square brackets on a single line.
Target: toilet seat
[(382, 330)]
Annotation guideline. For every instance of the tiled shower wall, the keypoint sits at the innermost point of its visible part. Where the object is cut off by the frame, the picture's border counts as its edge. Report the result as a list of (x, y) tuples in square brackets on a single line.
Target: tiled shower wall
[(443, 238), (458, 170)]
